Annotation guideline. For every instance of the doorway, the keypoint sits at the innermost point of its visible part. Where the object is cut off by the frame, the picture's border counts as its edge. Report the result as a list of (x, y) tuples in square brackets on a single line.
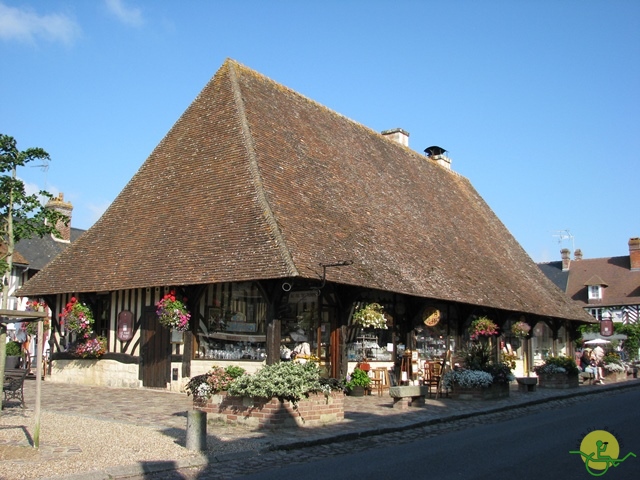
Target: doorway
[(155, 351)]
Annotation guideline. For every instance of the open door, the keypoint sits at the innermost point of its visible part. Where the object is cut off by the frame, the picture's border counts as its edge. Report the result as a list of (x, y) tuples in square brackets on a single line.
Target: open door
[(155, 351)]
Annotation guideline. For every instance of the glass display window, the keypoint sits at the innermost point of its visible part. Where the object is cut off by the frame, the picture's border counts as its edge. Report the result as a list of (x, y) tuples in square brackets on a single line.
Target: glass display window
[(234, 325)]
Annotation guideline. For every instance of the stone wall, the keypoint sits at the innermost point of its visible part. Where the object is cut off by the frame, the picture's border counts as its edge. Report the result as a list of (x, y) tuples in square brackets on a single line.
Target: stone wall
[(262, 413), (107, 373), (558, 380), (492, 392)]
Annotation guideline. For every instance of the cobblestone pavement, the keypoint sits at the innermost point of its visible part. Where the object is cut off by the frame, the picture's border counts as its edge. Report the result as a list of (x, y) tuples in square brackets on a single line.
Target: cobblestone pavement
[(235, 450)]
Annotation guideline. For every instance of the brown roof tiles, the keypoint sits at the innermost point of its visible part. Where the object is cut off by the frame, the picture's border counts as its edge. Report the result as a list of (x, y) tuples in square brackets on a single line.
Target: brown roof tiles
[(256, 181)]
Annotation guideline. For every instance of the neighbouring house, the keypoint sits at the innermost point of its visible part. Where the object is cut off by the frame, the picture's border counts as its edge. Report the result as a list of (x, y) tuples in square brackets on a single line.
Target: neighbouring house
[(276, 218), (604, 287), (32, 255)]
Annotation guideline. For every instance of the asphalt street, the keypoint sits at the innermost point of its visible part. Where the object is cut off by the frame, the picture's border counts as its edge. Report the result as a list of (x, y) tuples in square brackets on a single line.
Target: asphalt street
[(531, 442)]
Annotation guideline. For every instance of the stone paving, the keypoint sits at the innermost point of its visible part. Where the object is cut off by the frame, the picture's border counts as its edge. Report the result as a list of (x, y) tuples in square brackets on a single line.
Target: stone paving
[(365, 417)]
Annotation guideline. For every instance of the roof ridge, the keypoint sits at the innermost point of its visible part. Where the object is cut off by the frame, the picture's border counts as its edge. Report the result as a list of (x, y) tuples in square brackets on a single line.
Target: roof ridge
[(256, 176)]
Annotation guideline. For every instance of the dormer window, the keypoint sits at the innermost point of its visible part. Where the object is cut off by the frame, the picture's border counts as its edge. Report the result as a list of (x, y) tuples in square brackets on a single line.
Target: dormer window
[(595, 292), (595, 287)]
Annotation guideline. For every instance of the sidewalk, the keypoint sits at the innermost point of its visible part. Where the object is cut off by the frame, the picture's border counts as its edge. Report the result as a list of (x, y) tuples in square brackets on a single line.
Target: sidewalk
[(167, 412)]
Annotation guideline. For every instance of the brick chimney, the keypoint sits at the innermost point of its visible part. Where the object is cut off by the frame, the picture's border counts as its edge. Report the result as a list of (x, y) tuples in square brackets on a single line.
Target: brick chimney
[(577, 255), (397, 135), (65, 208), (566, 258), (634, 253)]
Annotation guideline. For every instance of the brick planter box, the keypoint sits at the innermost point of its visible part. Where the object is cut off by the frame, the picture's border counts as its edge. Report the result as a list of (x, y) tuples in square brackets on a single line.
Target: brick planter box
[(558, 380), (272, 413), (492, 392), (614, 376)]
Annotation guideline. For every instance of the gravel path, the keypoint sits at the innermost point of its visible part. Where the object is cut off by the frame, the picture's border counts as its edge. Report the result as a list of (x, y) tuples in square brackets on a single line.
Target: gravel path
[(71, 444)]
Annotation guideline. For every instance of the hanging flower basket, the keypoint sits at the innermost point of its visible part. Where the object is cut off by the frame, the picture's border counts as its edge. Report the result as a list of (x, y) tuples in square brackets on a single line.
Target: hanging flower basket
[(172, 313), (78, 318), (520, 329), (370, 316), (482, 327)]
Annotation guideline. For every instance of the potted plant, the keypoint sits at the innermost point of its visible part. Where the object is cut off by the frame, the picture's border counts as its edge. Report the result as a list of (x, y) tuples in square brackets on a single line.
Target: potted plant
[(613, 368), (482, 378), (370, 316), (520, 329), (172, 312), (557, 372), (481, 328), (77, 318), (217, 380), (13, 355), (282, 394), (357, 383)]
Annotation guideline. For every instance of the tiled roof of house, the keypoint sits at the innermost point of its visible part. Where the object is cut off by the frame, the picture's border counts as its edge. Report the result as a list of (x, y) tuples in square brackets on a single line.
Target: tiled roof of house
[(622, 283), (553, 271), (18, 258), (256, 181), (39, 251)]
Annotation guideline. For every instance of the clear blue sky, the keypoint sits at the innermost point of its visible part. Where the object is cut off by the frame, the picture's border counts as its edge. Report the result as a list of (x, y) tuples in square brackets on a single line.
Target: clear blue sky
[(537, 102)]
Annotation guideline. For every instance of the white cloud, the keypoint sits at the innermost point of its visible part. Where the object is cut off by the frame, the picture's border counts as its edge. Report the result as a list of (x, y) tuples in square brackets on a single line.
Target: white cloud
[(26, 25), (130, 16)]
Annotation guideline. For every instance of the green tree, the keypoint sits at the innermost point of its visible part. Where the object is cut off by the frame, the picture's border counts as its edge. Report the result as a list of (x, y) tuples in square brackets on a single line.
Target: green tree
[(21, 216)]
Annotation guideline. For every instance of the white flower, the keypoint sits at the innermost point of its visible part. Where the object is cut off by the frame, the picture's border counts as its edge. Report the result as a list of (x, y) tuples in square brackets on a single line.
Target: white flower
[(467, 378)]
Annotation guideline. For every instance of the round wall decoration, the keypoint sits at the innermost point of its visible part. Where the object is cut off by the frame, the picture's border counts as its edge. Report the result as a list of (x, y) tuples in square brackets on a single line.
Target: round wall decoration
[(431, 317)]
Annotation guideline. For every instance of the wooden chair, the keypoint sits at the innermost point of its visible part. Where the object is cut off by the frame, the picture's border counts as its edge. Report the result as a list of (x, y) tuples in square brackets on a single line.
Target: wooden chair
[(380, 380), (433, 375)]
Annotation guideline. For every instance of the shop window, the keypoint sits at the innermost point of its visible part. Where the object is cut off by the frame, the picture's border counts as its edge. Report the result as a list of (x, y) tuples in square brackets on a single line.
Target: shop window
[(542, 342), (234, 326)]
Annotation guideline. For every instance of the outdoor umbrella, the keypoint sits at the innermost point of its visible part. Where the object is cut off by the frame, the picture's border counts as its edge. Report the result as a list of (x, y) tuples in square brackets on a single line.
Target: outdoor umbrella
[(596, 341)]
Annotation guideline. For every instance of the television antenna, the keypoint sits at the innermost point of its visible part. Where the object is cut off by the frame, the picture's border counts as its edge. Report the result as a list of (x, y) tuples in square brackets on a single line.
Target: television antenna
[(44, 167), (563, 235)]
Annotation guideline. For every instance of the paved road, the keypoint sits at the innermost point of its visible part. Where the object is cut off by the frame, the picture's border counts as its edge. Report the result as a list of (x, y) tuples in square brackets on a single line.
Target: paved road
[(527, 442)]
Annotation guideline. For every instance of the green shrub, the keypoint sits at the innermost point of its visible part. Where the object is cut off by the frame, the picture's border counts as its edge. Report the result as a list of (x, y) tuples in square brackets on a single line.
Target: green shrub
[(285, 380), (557, 365), (358, 378), (13, 349)]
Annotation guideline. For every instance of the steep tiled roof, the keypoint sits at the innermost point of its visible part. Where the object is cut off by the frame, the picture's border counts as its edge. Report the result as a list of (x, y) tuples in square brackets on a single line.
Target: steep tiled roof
[(622, 284), (256, 181)]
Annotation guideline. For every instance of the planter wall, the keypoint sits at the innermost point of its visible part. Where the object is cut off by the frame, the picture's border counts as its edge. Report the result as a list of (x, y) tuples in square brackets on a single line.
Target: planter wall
[(614, 376), (272, 413), (102, 372), (492, 392), (558, 380)]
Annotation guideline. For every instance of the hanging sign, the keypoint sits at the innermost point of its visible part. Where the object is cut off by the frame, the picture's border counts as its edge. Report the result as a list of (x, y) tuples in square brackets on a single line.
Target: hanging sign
[(431, 317)]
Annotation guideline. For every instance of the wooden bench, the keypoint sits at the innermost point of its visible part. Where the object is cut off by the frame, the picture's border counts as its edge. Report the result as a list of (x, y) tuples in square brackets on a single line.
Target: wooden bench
[(587, 377), (13, 385), (405, 396)]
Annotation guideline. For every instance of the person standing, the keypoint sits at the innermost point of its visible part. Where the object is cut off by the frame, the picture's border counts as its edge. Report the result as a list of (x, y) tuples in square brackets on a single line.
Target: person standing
[(598, 355)]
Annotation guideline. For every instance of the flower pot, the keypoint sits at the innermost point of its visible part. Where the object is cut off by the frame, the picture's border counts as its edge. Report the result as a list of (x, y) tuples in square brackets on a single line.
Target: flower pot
[(557, 380), (11, 362), (357, 391)]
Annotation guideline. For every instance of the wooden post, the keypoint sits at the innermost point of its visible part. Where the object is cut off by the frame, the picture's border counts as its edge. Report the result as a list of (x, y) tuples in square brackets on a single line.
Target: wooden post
[(273, 341), (36, 431)]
